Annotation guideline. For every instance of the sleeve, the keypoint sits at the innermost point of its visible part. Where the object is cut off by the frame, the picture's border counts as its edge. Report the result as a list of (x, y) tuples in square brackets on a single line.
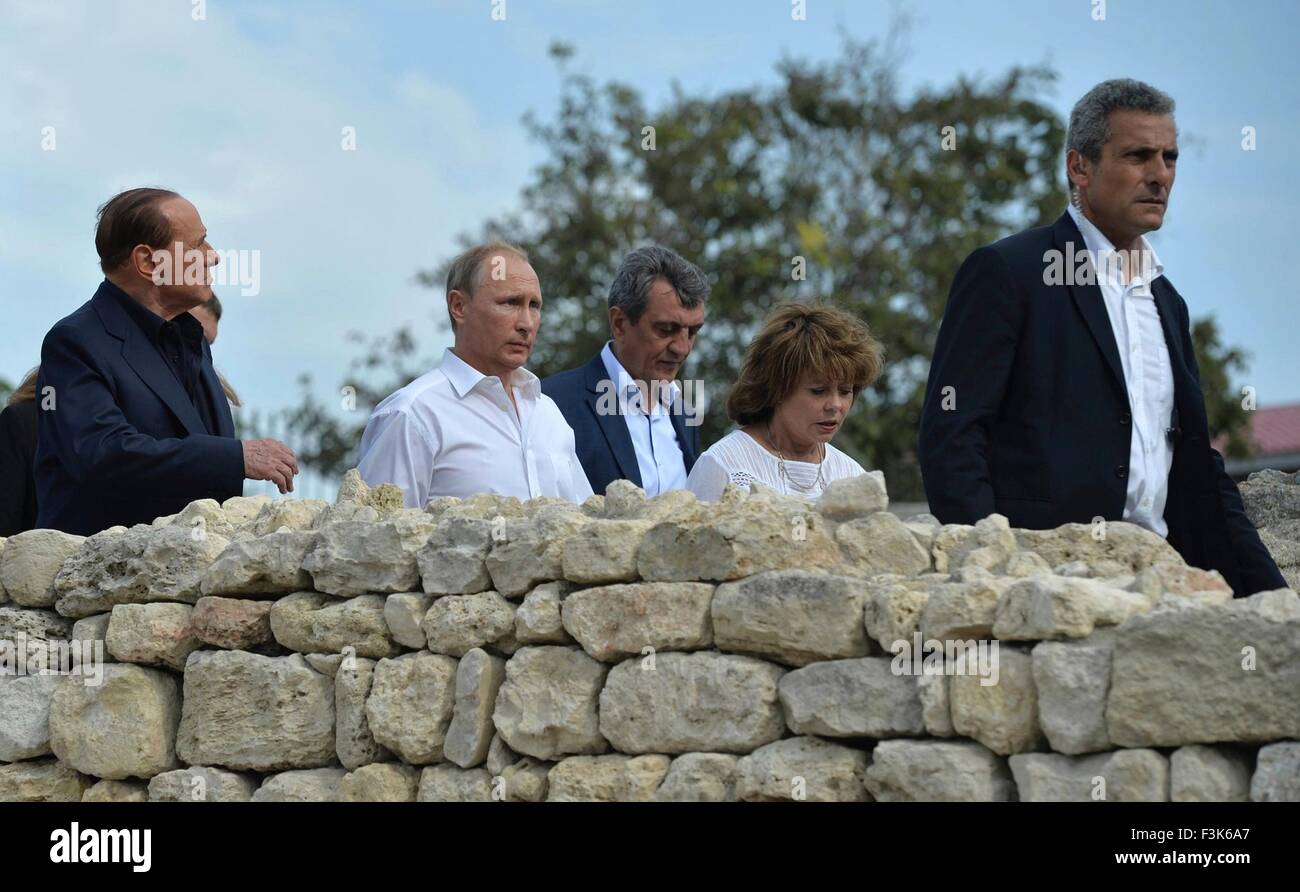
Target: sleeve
[(973, 356), (1259, 571), (397, 449), (707, 479), (580, 487), (13, 477), (85, 428)]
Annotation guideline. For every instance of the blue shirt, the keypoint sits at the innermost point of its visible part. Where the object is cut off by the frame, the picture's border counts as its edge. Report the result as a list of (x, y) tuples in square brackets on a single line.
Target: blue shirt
[(658, 454)]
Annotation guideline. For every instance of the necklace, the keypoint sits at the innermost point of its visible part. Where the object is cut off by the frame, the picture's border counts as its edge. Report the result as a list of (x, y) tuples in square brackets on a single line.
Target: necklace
[(786, 480)]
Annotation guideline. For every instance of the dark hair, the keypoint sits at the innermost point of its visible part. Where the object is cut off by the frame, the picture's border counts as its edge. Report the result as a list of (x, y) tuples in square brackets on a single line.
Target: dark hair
[(630, 290), (129, 219), (798, 339)]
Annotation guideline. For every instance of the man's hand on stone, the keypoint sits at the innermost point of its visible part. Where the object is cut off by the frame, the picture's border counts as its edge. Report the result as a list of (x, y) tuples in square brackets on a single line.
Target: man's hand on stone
[(270, 460)]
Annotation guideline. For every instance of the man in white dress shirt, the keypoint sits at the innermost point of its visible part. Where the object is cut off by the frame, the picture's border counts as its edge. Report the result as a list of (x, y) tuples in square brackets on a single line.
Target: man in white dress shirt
[(632, 418), (479, 422), (1064, 386)]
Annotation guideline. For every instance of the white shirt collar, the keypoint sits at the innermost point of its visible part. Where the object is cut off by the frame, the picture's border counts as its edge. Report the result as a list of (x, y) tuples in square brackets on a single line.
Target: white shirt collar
[(464, 377), (625, 382), (1102, 248)]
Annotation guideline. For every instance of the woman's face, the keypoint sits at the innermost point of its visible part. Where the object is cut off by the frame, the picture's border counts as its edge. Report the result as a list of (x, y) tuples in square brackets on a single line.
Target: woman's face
[(814, 410)]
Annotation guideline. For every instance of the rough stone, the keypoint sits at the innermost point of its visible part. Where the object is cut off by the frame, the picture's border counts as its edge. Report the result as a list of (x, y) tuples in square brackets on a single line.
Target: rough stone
[(301, 785), (691, 703), (355, 557), (269, 565), (30, 561), (404, 614), (802, 768), (456, 624), (25, 715), (937, 771), (447, 783), (604, 551), (152, 634), (42, 625), (793, 616), (1137, 775), (354, 743), (1127, 544), (249, 712), (853, 497), (124, 727), (454, 560), (478, 677), (410, 705), (117, 791), (287, 514), (546, 708), (309, 622), (199, 783), (1003, 716), (1187, 673), (538, 619), (611, 778), (1071, 680), (616, 621), (881, 543), (231, 623), (743, 534), (1277, 774), (700, 777), (1047, 607), (47, 780), (142, 565), (935, 712), (851, 698), (532, 551), (380, 782), (1209, 774)]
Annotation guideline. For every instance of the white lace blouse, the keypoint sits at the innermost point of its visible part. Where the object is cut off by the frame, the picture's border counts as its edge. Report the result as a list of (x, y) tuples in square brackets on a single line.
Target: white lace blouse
[(738, 458)]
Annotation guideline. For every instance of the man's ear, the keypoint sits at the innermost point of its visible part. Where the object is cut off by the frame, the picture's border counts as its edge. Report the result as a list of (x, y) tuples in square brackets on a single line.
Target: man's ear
[(456, 301), (618, 322), (142, 264), (1079, 170)]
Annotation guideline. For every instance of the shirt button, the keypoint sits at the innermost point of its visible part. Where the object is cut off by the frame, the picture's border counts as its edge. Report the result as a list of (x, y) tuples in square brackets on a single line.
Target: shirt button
[(1121, 471), (1125, 418)]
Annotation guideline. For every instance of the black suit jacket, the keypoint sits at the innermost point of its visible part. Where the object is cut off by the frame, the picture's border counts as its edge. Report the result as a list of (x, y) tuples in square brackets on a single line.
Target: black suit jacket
[(122, 443), (17, 453), (1041, 423), (604, 445)]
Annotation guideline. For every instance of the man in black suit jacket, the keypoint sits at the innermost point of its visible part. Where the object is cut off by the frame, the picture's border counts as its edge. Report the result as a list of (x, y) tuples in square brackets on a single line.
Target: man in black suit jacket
[(133, 423), (656, 309), (1064, 384)]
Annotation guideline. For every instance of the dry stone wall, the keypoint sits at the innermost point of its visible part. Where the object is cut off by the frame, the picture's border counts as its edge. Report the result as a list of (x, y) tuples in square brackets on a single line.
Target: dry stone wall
[(640, 649)]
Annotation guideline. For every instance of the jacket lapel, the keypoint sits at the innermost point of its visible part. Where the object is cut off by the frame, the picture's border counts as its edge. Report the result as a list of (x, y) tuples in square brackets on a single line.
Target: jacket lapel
[(684, 439), (1092, 306), (208, 375), (147, 362), (611, 424)]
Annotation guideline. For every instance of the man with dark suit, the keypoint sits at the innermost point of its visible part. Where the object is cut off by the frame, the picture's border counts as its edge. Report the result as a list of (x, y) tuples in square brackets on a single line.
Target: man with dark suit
[(133, 424), (1064, 385), (656, 309)]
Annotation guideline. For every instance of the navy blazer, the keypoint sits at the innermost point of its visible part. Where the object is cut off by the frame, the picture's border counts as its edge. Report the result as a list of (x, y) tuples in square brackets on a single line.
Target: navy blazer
[(604, 445), (1041, 423), (119, 441)]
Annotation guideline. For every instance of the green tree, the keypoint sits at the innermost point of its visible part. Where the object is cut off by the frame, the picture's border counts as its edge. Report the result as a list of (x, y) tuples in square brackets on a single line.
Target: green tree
[(1223, 406), (5, 389), (875, 196)]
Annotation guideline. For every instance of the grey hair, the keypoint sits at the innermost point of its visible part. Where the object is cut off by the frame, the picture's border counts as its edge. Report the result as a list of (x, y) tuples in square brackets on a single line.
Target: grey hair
[(466, 271), (630, 290), (1090, 118)]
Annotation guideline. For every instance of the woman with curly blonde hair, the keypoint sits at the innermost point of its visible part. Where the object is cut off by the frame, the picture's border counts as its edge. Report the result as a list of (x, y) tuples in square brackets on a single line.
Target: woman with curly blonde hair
[(797, 383)]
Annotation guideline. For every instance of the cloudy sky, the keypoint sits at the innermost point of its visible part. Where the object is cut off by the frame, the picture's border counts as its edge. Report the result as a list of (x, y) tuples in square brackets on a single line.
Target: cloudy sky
[(243, 112)]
